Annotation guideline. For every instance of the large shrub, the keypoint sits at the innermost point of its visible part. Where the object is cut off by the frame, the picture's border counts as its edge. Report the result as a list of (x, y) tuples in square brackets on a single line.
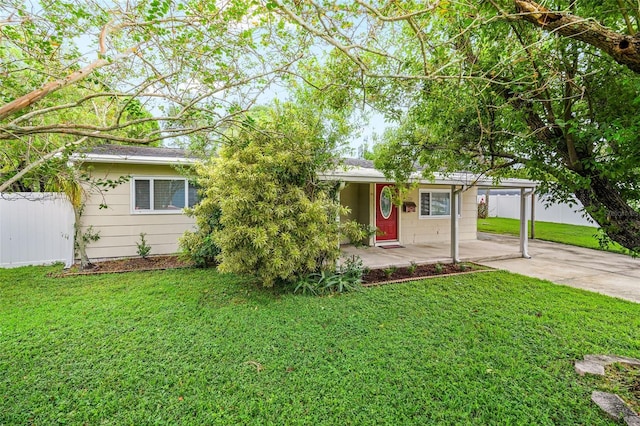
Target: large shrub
[(278, 220)]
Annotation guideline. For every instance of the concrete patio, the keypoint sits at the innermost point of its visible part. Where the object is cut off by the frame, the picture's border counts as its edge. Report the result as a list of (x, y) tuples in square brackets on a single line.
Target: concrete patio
[(485, 248), (602, 272)]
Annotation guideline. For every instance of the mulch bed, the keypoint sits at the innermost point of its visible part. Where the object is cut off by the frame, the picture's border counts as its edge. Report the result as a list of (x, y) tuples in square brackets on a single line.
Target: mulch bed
[(372, 277), (388, 275), (152, 263)]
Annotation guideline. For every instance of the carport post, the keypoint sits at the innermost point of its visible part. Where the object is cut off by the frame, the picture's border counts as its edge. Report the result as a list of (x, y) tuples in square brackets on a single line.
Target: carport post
[(339, 189), (453, 203), (524, 234), (533, 216)]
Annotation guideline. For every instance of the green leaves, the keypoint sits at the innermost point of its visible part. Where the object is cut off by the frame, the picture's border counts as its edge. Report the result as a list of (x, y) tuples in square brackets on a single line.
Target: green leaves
[(474, 87), (158, 9), (278, 221)]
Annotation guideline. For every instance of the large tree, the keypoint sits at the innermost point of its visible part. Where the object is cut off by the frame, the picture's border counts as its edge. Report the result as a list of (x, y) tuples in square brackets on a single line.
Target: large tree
[(502, 87), (139, 72)]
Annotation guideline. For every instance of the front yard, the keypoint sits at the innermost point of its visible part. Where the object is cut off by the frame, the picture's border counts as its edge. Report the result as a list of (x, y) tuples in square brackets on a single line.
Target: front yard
[(195, 347)]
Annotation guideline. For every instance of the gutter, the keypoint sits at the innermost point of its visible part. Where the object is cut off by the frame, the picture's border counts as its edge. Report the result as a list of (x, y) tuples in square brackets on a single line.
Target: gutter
[(365, 175), (132, 159)]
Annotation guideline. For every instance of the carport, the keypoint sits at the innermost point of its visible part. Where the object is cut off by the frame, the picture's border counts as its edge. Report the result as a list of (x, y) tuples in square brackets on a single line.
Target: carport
[(417, 229)]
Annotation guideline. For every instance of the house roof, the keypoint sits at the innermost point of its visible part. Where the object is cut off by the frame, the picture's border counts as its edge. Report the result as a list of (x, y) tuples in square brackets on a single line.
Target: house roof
[(352, 170), (135, 155), (359, 162)]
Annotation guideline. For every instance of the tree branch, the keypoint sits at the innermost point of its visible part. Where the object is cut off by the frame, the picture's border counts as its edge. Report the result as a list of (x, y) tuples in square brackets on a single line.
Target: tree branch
[(48, 88), (39, 162), (624, 49), (33, 97)]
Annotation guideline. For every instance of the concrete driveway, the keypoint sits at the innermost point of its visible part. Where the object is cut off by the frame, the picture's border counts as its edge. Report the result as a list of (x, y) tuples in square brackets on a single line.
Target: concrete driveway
[(594, 270)]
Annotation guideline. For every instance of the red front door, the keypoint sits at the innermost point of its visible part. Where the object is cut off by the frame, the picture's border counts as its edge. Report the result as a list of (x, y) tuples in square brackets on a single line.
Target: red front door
[(386, 213)]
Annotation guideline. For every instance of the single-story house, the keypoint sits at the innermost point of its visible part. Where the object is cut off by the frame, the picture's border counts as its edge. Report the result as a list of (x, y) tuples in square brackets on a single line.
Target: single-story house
[(153, 198)]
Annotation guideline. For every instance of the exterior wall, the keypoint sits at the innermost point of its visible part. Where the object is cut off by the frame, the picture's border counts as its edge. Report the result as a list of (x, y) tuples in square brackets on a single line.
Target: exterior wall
[(356, 197), (414, 230), (120, 228), (365, 194), (349, 197)]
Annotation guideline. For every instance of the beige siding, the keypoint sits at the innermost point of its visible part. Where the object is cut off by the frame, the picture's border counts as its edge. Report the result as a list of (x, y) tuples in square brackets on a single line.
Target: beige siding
[(414, 230), (120, 228), (349, 198), (365, 193), (355, 196)]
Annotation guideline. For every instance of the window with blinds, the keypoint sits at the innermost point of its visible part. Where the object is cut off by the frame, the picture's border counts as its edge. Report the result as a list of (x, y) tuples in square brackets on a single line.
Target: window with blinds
[(435, 203), (163, 195)]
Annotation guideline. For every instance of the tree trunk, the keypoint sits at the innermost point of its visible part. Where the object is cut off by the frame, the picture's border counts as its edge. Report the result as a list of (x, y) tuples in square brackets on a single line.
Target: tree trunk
[(607, 207), (81, 244)]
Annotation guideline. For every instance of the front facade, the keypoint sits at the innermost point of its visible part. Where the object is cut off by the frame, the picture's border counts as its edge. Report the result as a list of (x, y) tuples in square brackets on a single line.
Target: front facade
[(150, 201), (424, 216), (438, 211)]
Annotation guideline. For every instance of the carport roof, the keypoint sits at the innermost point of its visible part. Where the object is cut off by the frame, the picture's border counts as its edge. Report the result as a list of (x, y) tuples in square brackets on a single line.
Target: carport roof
[(363, 171)]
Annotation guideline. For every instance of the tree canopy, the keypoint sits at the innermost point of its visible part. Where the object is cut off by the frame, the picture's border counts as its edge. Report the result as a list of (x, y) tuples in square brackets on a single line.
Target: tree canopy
[(132, 72), (545, 90), (502, 87)]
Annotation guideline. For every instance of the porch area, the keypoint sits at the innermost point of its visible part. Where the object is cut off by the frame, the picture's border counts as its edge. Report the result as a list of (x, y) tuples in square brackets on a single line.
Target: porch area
[(486, 247)]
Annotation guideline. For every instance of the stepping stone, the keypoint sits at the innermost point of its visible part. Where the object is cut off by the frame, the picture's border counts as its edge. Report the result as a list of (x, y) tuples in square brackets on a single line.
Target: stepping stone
[(632, 421), (594, 364), (609, 359), (613, 405), (589, 367)]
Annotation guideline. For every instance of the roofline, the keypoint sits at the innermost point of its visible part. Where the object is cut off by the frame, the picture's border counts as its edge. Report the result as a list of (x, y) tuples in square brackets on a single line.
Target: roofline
[(352, 174), (365, 175), (132, 159)]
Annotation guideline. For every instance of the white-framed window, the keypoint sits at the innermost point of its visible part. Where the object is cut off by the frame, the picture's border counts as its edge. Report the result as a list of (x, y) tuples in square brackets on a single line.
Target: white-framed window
[(437, 203), (162, 194), (434, 203)]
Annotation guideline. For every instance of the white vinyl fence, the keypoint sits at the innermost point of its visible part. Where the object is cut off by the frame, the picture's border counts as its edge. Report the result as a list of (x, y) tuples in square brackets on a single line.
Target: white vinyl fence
[(35, 229), (508, 206)]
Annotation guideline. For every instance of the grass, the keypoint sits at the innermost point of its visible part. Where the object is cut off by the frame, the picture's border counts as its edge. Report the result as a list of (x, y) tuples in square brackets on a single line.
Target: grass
[(196, 347), (575, 235)]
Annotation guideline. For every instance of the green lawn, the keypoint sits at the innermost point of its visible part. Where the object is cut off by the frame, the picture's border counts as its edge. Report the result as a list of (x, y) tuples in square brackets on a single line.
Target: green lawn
[(196, 347), (575, 235)]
